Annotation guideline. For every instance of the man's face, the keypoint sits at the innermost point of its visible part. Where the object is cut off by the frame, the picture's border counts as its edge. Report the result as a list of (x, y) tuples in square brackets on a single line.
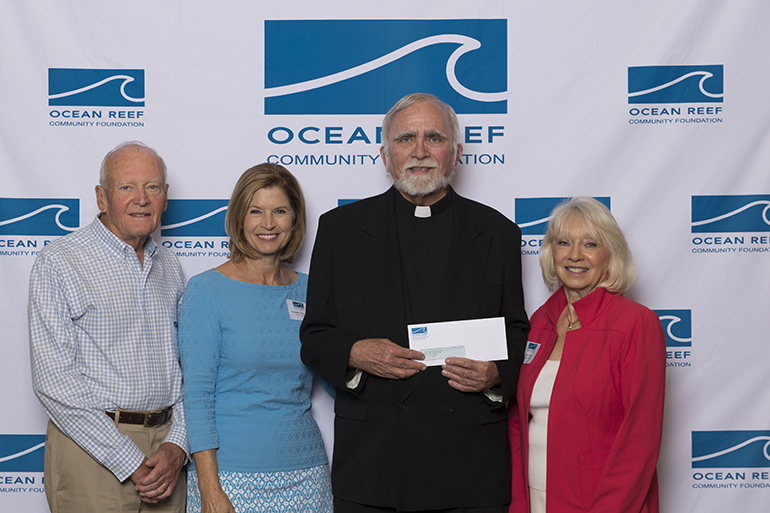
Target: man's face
[(421, 156), (135, 197)]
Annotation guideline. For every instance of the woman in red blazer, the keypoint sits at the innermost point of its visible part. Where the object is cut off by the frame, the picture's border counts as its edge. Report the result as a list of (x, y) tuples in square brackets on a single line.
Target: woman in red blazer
[(586, 425)]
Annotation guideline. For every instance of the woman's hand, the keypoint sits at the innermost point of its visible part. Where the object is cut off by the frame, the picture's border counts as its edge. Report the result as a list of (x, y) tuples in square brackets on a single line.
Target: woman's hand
[(216, 501), (213, 498)]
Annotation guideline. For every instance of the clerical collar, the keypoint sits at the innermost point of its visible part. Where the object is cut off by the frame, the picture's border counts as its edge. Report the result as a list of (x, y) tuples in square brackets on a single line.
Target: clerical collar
[(421, 211), (424, 212)]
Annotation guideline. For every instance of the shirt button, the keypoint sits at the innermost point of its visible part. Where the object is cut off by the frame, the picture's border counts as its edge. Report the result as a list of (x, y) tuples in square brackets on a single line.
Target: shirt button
[(401, 406)]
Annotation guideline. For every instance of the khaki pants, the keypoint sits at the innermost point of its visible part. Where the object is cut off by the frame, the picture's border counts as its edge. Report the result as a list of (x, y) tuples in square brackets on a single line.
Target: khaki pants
[(77, 483)]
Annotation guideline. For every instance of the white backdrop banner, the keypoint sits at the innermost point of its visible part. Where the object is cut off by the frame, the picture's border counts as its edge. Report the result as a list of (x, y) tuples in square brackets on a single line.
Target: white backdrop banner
[(659, 109)]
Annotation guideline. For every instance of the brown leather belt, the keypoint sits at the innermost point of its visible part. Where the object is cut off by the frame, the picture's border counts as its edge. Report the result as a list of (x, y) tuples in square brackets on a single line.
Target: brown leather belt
[(146, 419)]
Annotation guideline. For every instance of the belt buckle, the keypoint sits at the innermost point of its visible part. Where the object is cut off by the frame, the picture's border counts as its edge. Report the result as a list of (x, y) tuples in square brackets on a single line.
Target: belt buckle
[(157, 417)]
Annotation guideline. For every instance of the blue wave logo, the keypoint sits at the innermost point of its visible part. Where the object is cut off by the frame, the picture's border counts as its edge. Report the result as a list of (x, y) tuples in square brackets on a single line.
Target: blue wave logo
[(96, 87), (676, 84), (194, 218), (719, 214), (532, 214), (43, 216), (22, 453), (730, 449), (677, 324), (422, 330), (365, 66)]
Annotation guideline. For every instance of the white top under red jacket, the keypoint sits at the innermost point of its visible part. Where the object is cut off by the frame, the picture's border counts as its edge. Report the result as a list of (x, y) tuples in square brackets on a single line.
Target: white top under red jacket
[(606, 412)]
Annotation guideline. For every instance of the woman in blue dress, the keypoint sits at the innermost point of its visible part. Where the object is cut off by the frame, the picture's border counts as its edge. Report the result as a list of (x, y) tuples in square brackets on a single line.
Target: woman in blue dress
[(254, 444)]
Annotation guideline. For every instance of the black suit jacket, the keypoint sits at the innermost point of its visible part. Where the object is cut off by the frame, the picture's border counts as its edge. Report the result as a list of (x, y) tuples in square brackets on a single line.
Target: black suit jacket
[(416, 443)]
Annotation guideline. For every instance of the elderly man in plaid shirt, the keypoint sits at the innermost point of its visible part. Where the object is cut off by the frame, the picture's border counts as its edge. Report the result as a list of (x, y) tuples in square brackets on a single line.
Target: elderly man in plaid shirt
[(103, 306)]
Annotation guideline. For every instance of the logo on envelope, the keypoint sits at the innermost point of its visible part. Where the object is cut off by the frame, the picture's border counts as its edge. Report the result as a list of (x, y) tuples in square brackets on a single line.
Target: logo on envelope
[(420, 333)]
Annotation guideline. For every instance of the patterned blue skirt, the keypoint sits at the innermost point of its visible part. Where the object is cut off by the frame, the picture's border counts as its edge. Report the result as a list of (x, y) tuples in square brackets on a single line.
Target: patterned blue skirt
[(305, 490)]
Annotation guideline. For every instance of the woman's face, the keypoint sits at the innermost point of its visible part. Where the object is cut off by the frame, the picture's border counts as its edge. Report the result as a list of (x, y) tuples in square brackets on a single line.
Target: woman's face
[(269, 219), (581, 262)]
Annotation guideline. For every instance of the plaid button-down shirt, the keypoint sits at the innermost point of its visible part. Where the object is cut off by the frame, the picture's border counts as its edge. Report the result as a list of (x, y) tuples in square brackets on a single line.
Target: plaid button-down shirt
[(103, 335)]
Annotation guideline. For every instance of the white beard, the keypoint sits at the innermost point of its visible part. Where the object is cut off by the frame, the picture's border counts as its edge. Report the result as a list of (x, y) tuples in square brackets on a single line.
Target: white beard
[(421, 185)]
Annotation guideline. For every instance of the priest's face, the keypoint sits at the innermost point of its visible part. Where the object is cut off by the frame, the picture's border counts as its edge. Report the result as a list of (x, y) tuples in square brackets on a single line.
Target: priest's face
[(421, 154)]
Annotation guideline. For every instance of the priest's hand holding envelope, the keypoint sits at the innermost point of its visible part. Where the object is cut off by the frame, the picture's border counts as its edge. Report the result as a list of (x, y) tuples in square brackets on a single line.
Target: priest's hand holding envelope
[(465, 350)]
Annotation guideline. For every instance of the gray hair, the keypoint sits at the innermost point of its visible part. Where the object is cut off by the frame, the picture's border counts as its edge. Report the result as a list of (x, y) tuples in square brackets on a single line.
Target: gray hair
[(601, 225), (105, 168), (412, 99)]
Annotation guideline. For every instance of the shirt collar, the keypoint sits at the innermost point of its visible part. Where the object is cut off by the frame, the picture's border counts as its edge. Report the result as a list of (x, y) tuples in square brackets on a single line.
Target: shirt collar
[(436, 209), (587, 308)]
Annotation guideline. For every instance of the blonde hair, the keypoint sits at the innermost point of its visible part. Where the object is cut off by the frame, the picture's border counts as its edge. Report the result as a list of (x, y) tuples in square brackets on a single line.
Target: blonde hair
[(601, 225)]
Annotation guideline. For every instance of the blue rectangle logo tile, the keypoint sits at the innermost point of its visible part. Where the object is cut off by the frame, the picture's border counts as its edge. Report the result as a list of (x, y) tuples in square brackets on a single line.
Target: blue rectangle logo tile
[(22, 453), (39, 216), (676, 84), (720, 214), (365, 66), (677, 325), (194, 218), (532, 214), (96, 87), (730, 449)]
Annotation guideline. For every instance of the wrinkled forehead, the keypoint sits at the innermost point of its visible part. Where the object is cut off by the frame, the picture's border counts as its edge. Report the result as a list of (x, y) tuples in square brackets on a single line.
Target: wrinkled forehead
[(422, 117)]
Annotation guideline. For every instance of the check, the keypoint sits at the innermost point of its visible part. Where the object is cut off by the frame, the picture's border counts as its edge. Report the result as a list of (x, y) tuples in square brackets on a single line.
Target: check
[(477, 339)]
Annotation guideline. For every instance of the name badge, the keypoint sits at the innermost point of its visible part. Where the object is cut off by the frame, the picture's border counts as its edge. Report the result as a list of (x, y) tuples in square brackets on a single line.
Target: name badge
[(531, 351), (296, 309)]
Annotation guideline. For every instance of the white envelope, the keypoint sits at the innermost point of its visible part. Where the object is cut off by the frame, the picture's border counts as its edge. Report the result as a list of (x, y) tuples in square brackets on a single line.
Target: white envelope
[(477, 339)]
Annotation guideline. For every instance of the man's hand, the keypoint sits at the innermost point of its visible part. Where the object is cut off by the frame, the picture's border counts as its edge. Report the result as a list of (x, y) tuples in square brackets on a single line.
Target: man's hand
[(470, 375), (156, 477), (383, 358)]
